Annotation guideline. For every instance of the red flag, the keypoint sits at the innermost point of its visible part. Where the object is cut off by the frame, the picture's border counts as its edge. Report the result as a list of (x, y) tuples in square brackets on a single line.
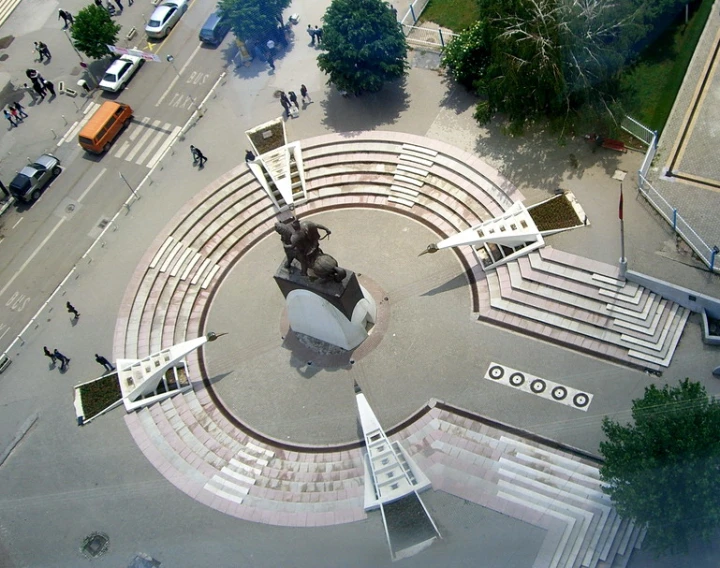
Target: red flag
[(620, 209)]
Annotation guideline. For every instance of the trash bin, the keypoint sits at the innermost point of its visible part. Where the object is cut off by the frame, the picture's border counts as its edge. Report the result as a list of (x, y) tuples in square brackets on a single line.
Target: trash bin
[(83, 85)]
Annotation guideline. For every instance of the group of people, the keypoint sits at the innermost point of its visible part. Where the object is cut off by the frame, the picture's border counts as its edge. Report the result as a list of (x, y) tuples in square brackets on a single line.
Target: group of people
[(289, 101), (15, 113), (110, 8), (316, 34), (40, 85), (56, 356), (66, 17)]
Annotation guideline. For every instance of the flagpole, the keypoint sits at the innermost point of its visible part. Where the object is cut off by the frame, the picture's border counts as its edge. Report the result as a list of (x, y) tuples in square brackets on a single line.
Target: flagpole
[(623, 260)]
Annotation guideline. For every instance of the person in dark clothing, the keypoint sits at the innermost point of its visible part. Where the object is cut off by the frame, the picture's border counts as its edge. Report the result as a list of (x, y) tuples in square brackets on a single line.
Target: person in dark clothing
[(50, 87), (293, 98), (304, 94), (63, 360), (49, 354), (312, 34), (66, 18), (198, 157), (44, 50), (249, 156), (119, 5), (271, 61), (39, 89), (71, 310), (318, 34), (104, 362)]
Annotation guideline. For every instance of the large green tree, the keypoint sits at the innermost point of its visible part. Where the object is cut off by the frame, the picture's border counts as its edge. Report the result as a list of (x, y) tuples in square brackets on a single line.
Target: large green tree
[(663, 471), (531, 59), (363, 46), (93, 31), (254, 20)]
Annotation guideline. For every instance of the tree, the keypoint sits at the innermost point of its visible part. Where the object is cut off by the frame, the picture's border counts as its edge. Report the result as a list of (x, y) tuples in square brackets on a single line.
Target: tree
[(93, 31), (663, 471), (254, 20), (532, 59), (363, 46)]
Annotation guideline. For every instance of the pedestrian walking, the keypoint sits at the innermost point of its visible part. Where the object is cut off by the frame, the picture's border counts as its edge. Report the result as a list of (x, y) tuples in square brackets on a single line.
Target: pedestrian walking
[(41, 53), (50, 86), (318, 34), (71, 310), (293, 98), (32, 92), (99, 4), (104, 362), (49, 354), (249, 156), (63, 360), (66, 18), (198, 157), (9, 117), (20, 109), (312, 34), (45, 50), (304, 94), (119, 5), (39, 89), (271, 61), (14, 113)]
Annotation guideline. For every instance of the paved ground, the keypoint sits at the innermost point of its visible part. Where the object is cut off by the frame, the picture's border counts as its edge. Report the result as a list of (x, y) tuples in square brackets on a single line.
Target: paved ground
[(62, 482)]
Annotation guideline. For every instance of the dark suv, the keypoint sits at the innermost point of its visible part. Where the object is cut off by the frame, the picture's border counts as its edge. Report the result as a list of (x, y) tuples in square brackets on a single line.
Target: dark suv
[(29, 182)]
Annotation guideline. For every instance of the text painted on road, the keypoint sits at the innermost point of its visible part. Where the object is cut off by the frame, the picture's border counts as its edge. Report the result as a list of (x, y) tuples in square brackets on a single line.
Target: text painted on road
[(196, 78), (17, 302)]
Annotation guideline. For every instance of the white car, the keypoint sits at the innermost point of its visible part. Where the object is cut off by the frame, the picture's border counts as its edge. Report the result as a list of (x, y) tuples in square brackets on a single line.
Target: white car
[(164, 17), (120, 72)]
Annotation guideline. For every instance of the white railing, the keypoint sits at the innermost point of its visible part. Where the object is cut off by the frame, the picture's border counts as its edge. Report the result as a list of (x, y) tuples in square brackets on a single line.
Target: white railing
[(426, 37), (661, 205)]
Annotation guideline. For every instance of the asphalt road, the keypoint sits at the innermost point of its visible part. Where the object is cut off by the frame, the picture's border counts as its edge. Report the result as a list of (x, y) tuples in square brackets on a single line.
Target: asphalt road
[(43, 241)]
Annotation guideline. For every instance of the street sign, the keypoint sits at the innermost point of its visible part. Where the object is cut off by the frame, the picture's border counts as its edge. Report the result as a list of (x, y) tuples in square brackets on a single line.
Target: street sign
[(147, 56)]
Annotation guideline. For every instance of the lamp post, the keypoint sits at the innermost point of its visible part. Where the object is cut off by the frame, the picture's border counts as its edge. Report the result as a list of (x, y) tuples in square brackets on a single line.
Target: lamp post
[(80, 57)]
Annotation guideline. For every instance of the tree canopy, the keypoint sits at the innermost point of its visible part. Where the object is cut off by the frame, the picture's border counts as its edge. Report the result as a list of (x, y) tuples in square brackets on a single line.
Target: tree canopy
[(663, 470), (363, 46), (253, 19), (93, 31), (531, 59)]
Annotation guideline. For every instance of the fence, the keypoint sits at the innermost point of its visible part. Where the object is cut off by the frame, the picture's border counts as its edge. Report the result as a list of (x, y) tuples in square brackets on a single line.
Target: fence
[(426, 37), (659, 203), (411, 16)]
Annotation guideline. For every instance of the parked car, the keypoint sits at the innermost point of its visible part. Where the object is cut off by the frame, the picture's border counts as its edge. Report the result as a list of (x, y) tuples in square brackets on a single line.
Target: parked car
[(29, 182), (120, 72), (164, 17), (214, 29)]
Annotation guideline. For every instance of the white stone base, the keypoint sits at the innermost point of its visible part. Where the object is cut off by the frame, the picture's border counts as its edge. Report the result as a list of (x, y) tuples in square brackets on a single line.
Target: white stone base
[(312, 315)]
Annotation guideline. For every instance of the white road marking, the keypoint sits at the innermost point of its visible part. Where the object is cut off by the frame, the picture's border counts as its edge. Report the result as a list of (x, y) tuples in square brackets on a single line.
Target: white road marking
[(177, 75), (29, 259), (92, 184), (154, 142), (77, 126), (142, 141), (159, 154), (19, 221)]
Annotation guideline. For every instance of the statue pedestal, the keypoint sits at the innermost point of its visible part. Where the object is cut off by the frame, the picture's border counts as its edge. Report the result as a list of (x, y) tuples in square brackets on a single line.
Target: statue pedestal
[(334, 312)]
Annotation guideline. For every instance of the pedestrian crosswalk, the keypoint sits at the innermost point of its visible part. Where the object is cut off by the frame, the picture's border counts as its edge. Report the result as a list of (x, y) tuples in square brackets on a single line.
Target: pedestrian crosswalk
[(144, 143)]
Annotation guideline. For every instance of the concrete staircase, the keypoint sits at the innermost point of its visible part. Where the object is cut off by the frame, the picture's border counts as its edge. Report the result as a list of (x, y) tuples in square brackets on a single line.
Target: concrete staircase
[(581, 303), (522, 476)]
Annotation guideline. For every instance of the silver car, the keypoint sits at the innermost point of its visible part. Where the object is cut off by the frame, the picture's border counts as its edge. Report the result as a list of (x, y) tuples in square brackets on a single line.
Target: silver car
[(28, 183), (164, 17)]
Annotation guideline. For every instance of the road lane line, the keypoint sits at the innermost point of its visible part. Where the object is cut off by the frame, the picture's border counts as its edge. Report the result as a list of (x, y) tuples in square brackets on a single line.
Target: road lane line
[(92, 184), (154, 142), (177, 76), (37, 250), (19, 221), (143, 139)]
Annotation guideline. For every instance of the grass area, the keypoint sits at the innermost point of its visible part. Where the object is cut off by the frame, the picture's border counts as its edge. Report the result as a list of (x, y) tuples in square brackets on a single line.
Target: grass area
[(100, 394), (650, 86), (454, 14)]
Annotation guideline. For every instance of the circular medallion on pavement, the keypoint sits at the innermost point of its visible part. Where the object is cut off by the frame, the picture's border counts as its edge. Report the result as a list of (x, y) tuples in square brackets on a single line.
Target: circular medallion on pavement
[(496, 372), (581, 400), (559, 393), (517, 379), (538, 386)]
